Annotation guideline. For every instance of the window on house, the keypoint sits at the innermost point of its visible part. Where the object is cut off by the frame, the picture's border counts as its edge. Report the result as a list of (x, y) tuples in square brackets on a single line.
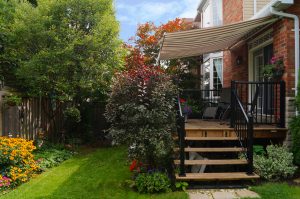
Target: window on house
[(217, 74), (212, 73)]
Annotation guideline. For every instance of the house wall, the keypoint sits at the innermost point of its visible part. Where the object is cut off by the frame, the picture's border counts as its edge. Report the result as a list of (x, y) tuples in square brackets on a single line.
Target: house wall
[(284, 46), (232, 13), (249, 7)]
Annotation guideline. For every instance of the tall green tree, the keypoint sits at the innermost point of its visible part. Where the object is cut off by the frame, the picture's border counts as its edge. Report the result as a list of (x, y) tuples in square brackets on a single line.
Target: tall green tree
[(66, 50)]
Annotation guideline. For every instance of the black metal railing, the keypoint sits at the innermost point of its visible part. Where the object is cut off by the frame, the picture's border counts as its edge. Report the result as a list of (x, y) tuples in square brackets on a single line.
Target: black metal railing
[(264, 100), (180, 124), (199, 99), (243, 126)]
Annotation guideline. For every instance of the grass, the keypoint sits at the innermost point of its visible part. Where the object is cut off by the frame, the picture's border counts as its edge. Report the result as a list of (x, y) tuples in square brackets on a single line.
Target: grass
[(96, 175), (277, 191)]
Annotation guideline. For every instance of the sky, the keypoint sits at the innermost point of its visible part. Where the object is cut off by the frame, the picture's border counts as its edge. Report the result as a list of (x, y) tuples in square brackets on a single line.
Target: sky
[(130, 13)]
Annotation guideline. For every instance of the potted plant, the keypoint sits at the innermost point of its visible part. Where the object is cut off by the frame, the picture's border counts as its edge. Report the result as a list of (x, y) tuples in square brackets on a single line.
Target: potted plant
[(275, 69), (186, 108)]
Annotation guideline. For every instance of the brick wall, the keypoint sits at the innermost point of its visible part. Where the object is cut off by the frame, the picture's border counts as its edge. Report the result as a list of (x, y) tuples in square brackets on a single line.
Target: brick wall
[(284, 46), (232, 13)]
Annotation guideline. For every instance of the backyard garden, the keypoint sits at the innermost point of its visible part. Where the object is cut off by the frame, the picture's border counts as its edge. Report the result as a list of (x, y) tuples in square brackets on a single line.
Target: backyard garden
[(69, 53)]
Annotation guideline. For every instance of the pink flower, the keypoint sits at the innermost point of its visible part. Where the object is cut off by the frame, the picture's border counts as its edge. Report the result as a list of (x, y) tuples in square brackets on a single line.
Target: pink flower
[(273, 60)]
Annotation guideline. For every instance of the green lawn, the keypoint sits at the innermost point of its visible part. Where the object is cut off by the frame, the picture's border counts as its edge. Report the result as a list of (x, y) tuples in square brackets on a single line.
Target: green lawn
[(277, 191), (99, 174)]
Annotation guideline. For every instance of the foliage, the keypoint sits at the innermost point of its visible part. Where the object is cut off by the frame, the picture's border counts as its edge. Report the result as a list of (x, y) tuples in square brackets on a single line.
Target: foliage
[(12, 99), (295, 131), (152, 182), (275, 69), (259, 150), (147, 44), (276, 164), (50, 155), (16, 159), (93, 173), (72, 114), (181, 185), (140, 110), (66, 50), (4, 182)]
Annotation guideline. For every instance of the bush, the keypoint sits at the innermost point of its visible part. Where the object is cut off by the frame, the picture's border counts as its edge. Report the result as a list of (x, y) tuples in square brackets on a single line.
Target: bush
[(140, 110), (152, 182), (16, 160), (276, 164), (295, 130), (50, 155)]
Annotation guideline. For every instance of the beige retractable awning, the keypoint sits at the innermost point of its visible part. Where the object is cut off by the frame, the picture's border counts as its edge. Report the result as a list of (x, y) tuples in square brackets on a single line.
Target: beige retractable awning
[(206, 40)]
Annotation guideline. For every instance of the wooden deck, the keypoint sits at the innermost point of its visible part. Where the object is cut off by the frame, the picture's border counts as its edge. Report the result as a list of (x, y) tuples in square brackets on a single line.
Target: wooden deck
[(216, 128)]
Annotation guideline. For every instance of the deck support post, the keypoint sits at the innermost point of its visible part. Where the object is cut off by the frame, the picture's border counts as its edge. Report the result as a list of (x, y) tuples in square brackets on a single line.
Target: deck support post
[(250, 145), (282, 104), (181, 135), (232, 105)]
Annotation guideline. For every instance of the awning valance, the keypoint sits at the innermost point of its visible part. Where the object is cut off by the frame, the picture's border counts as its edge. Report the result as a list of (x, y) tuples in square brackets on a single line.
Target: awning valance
[(206, 40)]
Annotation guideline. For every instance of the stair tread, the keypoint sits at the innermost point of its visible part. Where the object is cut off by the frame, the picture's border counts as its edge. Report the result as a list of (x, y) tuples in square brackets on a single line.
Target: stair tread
[(213, 162), (217, 176), (228, 149), (210, 138)]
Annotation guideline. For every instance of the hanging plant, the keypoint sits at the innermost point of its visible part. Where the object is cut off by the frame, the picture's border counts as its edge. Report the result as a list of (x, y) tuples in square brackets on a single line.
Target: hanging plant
[(275, 69)]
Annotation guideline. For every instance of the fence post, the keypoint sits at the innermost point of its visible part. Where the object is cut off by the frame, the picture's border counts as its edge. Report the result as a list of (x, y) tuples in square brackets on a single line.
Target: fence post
[(282, 104), (232, 105), (250, 145)]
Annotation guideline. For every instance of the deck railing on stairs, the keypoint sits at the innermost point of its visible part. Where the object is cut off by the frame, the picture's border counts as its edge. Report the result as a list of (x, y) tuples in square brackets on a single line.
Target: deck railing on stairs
[(243, 126), (181, 136)]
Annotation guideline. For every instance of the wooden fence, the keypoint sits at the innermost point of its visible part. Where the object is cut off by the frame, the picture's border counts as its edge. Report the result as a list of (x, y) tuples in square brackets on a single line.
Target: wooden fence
[(37, 116), (33, 117)]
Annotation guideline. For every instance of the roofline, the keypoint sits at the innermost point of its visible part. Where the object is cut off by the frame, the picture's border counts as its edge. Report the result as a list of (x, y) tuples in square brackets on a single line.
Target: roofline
[(279, 4), (200, 6)]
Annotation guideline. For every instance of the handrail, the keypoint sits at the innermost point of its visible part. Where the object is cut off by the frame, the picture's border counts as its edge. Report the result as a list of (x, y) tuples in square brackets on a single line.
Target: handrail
[(243, 126), (240, 106), (180, 124)]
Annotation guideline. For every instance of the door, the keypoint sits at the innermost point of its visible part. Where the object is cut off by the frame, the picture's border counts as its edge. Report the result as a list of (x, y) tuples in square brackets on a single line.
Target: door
[(265, 100)]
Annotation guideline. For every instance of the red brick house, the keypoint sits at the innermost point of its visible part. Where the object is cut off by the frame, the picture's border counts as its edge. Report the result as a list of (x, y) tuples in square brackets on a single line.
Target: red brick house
[(253, 35)]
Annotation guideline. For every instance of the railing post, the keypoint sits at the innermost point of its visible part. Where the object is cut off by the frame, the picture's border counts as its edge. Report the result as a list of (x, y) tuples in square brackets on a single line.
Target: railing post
[(282, 104), (232, 105), (250, 145), (181, 134)]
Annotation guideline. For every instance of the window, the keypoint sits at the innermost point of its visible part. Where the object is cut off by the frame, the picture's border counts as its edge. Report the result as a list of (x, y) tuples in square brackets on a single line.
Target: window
[(212, 73), (217, 74)]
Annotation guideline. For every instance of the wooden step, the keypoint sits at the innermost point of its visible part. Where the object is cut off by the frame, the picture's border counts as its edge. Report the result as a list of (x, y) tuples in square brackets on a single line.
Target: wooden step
[(212, 150), (217, 176), (213, 162), (211, 138)]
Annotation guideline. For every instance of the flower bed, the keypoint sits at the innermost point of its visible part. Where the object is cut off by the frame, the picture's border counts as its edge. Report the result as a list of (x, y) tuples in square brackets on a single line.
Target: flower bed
[(17, 163)]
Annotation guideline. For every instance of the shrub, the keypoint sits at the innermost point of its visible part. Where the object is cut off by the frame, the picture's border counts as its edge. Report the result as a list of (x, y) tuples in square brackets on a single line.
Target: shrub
[(50, 155), (140, 110), (295, 130), (152, 182), (16, 160), (72, 114), (276, 164)]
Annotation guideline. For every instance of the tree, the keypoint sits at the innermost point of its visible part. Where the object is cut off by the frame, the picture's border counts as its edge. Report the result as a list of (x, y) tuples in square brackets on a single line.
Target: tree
[(140, 110), (63, 49), (145, 50)]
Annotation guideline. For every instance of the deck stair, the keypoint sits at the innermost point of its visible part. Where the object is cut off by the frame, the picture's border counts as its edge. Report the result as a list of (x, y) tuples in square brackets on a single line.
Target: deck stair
[(220, 152)]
